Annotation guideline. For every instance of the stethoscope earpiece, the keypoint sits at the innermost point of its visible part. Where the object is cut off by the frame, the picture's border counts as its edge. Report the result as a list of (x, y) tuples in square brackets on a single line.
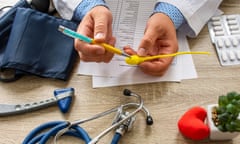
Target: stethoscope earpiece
[(149, 120), (127, 92)]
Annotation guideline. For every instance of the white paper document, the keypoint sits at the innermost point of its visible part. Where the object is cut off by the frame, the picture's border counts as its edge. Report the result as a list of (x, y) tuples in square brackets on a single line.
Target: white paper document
[(129, 21)]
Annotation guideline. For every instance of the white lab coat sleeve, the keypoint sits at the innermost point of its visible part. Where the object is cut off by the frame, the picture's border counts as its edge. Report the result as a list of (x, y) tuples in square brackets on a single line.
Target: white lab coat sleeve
[(66, 8), (195, 12)]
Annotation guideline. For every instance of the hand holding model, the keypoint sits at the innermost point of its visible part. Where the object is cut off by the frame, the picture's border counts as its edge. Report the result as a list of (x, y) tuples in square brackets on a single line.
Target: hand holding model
[(159, 38), (160, 33), (97, 24)]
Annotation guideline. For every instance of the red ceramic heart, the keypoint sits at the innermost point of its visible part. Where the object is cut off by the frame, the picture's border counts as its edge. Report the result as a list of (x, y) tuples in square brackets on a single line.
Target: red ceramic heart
[(192, 125)]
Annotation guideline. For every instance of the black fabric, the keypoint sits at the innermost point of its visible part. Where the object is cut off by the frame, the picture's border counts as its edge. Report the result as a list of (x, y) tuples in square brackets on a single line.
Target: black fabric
[(35, 46)]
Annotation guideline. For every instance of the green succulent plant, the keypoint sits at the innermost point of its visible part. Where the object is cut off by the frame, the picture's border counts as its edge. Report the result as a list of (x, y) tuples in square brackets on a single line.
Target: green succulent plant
[(227, 112)]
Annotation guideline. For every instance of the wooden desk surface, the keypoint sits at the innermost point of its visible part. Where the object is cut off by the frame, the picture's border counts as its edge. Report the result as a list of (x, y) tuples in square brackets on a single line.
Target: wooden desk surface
[(166, 101)]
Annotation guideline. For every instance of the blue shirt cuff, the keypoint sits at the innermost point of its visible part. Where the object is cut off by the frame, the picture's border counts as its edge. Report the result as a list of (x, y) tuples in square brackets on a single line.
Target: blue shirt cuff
[(84, 7), (172, 12)]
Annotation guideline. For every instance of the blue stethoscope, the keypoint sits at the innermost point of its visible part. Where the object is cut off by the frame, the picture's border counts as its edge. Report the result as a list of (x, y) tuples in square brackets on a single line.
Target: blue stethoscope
[(122, 123)]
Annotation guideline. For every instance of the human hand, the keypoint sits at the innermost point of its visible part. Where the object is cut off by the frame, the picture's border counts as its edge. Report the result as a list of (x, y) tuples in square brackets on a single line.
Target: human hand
[(159, 38), (97, 24)]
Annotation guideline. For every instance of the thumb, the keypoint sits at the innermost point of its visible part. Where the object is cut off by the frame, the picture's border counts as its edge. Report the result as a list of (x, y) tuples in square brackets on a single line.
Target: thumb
[(101, 28), (147, 42)]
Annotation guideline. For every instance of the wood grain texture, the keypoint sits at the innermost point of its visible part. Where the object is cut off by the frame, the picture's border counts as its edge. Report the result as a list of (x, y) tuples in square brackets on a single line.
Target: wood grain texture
[(166, 101)]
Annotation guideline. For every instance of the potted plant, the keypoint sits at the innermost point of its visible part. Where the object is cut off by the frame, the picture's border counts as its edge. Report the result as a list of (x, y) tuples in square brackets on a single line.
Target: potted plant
[(223, 118)]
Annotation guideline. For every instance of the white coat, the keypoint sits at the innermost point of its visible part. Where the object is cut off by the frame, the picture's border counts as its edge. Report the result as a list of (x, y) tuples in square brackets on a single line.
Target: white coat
[(195, 12)]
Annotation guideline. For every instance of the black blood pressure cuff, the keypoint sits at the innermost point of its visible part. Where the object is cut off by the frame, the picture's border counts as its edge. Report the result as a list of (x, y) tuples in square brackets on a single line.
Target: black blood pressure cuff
[(35, 46)]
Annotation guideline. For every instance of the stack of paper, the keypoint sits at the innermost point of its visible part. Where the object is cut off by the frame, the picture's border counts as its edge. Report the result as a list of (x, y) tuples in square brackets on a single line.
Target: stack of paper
[(130, 19)]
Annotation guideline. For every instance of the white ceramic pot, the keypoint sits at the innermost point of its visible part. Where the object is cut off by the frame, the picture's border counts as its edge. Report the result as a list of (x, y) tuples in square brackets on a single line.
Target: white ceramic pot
[(216, 134)]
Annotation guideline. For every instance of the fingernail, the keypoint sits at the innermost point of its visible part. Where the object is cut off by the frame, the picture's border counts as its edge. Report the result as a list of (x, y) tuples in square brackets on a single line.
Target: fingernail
[(99, 36), (141, 52)]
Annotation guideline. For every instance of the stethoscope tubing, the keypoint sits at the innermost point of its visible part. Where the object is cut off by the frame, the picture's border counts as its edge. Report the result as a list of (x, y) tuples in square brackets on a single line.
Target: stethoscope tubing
[(139, 108), (42, 133), (34, 135), (54, 127), (116, 138)]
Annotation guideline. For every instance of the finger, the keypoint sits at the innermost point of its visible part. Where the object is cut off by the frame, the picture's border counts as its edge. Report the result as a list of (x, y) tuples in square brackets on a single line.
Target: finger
[(89, 49), (157, 67), (105, 57), (112, 41), (147, 42), (98, 58), (129, 50), (86, 26), (102, 26), (88, 58), (109, 55)]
